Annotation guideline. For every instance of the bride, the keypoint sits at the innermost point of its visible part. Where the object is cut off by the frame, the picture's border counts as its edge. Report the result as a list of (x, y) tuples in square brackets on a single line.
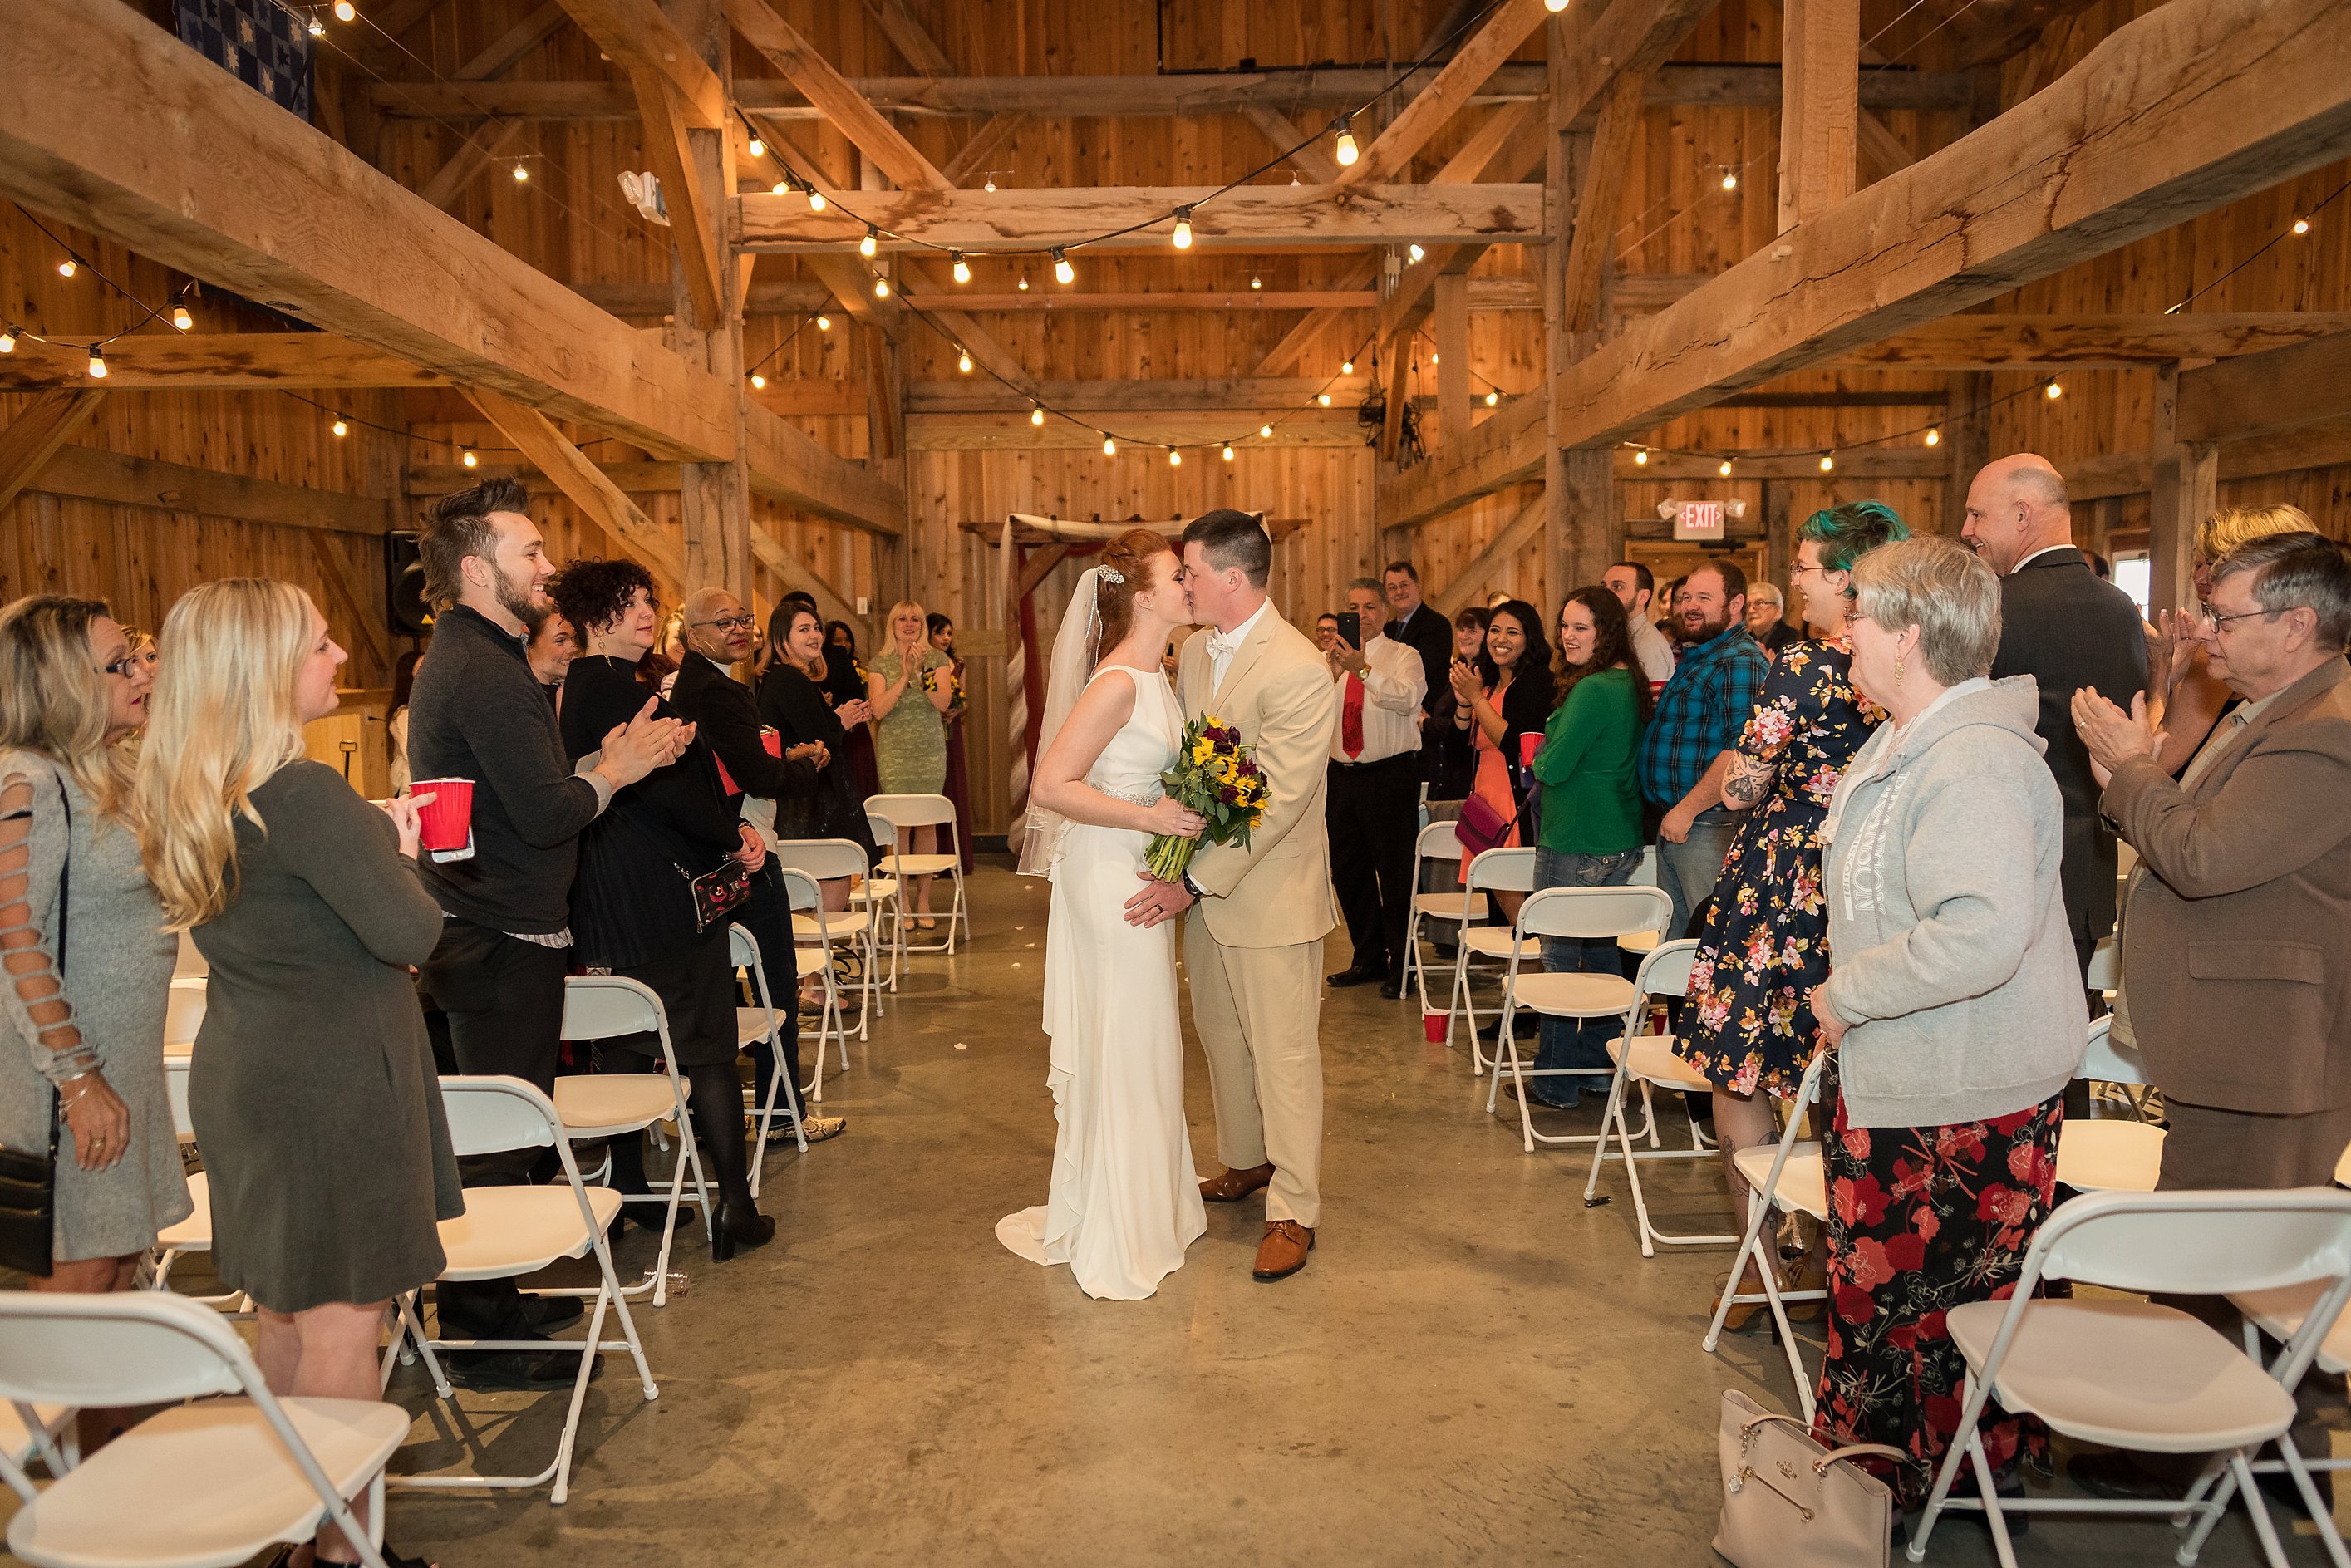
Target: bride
[(1124, 1201)]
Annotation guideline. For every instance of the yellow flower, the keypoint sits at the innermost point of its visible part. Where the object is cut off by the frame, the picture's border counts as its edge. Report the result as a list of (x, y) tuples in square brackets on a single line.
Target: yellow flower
[(1221, 769), (1202, 750)]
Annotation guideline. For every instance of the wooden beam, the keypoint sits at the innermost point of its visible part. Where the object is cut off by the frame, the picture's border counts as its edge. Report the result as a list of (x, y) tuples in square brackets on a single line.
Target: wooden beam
[(34, 436), (990, 138), (2094, 342), (797, 297), (221, 362), (694, 220), (1862, 463), (788, 465), (909, 37), (1452, 313), (1501, 550), (1313, 160), (640, 37), (770, 551), (1508, 449), (2327, 444), (514, 43), (2266, 394), (849, 110), (1390, 155), (1067, 300), (475, 154), (1881, 150), (849, 280), (2181, 111), (2185, 491), (231, 188), (1251, 394), (1605, 172), (360, 625), (1203, 430), (1308, 332), (1244, 217), (584, 485), (1631, 37), (425, 480), (1820, 106), (124, 481)]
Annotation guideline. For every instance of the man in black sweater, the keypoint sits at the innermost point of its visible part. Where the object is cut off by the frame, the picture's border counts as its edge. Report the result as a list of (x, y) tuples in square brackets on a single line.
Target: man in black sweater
[(718, 634), (2067, 630), (478, 713)]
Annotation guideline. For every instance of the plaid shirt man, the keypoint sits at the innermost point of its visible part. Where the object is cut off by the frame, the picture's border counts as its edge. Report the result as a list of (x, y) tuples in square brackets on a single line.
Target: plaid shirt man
[(1700, 714)]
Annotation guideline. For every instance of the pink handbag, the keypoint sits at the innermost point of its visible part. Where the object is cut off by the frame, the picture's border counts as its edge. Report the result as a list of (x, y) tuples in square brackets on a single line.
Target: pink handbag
[(1790, 1501), (1480, 827)]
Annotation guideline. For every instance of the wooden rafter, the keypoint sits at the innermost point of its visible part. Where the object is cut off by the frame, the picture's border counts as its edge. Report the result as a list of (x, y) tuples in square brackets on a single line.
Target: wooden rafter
[(583, 484), (1630, 38), (34, 436), (1820, 162), (357, 612), (984, 143), (910, 38), (475, 154), (220, 360), (1593, 246), (849, 110), (693, 226), (1312, 159), (640, 37), (512, 44), (1390, 155), (2267, 394), (1974, 342), (122, 480)]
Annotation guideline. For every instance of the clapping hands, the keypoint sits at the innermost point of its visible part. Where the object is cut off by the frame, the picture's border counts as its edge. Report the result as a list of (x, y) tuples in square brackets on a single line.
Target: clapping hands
[(2111, 736)]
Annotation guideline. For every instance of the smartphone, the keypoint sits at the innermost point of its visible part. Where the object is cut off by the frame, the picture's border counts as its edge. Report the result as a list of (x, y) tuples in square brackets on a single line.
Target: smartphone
[(1351, 630)]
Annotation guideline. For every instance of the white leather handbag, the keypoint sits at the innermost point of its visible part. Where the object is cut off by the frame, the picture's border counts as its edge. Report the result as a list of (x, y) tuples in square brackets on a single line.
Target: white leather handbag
[(1788, 1501)]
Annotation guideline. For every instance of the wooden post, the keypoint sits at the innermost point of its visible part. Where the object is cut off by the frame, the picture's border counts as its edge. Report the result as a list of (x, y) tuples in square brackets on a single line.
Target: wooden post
[(714, 498), (1453, 357), (1820, 107), (1967, 438), (2186, 491)]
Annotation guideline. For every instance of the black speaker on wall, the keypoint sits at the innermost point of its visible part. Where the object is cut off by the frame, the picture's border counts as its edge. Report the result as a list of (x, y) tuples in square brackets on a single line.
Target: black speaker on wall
[(403, 585)]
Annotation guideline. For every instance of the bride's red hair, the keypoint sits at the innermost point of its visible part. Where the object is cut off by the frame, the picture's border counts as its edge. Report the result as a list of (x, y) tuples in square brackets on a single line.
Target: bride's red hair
[(1129, 556)]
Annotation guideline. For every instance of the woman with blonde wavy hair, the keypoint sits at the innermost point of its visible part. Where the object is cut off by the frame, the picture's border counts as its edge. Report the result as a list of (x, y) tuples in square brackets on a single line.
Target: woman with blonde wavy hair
[(89, 965), (312, 1091), (910, 686)]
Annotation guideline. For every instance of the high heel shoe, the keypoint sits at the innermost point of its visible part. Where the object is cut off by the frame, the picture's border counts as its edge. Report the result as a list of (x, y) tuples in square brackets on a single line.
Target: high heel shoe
[(738, 1224)]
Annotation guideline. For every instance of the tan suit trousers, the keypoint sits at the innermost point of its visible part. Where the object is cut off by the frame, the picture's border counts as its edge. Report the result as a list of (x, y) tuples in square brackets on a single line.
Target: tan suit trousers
[(2207, 1147), (1258, 1014)]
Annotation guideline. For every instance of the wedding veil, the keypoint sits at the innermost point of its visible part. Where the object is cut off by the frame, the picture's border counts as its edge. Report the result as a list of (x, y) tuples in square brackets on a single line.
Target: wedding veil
[(1074, 656)]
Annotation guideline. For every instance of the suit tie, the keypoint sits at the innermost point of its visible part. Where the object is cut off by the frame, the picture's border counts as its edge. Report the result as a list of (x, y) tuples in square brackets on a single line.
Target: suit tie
[(1350, 717)]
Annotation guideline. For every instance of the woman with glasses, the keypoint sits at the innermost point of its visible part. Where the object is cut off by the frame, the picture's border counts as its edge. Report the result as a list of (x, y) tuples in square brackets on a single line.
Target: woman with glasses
[(90, 969), (1764, 945)]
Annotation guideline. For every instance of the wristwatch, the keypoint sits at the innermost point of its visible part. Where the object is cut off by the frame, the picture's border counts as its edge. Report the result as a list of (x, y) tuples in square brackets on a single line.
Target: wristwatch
[(1192, 887)]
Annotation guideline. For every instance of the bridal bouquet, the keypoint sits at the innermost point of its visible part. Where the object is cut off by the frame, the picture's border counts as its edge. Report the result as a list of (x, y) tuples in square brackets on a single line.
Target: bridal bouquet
[(1217, 776)]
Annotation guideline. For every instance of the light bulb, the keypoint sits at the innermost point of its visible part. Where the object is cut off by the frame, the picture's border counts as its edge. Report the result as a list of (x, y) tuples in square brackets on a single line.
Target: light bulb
[(182, 319), (345, 11), (1229, 452), (1934, 438), (97, 364), (1347, 367), (1414, 252), (758, 381), (1110, 448), (989, 184), (1345, 150), (1729, 179), (521, 175), (1493, 400), (759, 148), (468, 459), (1432, 356), (1322, 398), (824, 323), (963, 361), (1554, 6), (9, 339), (871, 246), (962, 268), (1037, 413), (1828, 462), (1725, 469), (339, 427), (1256, 282), (1023, 284), (1183, 228), (2052, 391), (1265, 429), (816, 200), (780, 188), (317, 29), (2302, 225), (1062, 271), (68, 267), (1640, 457), (1174, 458), (881, 286)]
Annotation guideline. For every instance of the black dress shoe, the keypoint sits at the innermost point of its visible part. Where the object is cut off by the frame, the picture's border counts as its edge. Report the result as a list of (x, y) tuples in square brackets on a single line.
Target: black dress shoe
[(738, 1225), (1355, 975), (551, 1311), (508, 1371), (1392, 988)]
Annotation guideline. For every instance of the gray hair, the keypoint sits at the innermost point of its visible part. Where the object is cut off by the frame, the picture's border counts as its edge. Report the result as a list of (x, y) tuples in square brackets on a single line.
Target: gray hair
[(1939, 586), (1767, 593), (2296, 572), (1369, 584)]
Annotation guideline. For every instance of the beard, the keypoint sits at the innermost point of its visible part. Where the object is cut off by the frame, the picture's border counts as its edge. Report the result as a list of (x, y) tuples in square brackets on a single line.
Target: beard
[(1704, 630), (522, 600)]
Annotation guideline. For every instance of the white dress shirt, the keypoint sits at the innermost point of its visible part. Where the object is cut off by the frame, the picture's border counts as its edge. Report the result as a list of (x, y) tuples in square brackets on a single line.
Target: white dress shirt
[(1392, 692), (2036, 555), (1223, 644), (1653, 650)]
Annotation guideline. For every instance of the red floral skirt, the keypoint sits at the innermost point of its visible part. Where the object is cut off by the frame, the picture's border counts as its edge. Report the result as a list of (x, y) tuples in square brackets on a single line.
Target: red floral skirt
[(1923, 1219)]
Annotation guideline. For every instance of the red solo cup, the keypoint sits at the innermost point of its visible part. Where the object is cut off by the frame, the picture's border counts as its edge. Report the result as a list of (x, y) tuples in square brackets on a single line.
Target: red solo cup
[(1432, 1028), (772, 741), (1528, 744), (446, 822)]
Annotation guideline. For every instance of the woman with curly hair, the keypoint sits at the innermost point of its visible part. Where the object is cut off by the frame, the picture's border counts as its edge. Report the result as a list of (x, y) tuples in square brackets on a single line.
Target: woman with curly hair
[(1749, 1025), (634, 911)]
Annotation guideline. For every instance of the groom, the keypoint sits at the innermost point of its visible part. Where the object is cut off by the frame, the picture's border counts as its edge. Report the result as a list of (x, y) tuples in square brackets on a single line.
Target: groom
[(1254, 945)]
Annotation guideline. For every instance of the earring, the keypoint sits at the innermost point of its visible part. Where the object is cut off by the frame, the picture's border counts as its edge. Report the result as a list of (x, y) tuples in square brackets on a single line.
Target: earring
[(1897, 669)]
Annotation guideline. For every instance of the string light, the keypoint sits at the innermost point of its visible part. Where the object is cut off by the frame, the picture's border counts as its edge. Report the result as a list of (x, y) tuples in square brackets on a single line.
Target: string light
[(1110, 448), (2302, 225), (1347, 367), (317, 29), (1174, 458), (962, 268), (824, 323), (1036, 413), (1725, 469), (1345, 150), (8, 339), (1432, 356), (182, 319), (816, 200), (341, 426), (1414, 251), (881, 286), (1934, 437), (990, 185), (1554, 6), (1265, 429), (1062, 271), (1023, 284), (871, 246), (1322, 398), (1229, 452), (1640, 457), (780, 188), (1256, 282), (345, 11), (68, 267), (2052, 391), (1493, 399), (96, 363), (521, 175), (759, 148), (468, 459), (1729, 177), (1183, 228), (1828, 462), (758, 381), (963, 361)]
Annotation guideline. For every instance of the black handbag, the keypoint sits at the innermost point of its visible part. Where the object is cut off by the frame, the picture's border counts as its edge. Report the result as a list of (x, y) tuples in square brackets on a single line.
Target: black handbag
[(717, 893), (29, 1179)]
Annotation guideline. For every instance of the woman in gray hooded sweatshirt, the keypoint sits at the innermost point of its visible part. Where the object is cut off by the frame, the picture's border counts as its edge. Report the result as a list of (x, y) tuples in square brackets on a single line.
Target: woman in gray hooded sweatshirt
[(1953, 1009)]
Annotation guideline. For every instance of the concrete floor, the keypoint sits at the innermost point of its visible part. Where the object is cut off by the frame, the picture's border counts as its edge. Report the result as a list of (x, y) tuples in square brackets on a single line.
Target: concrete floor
[(1474, 1368)]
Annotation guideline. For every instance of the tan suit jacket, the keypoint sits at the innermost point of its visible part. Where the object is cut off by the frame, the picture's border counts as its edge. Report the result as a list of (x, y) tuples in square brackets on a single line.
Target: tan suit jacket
[(1278, 691), (2237, 947)]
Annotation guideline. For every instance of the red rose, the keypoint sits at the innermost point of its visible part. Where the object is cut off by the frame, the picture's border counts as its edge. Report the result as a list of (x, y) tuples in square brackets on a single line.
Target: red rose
[(1906, 1253)]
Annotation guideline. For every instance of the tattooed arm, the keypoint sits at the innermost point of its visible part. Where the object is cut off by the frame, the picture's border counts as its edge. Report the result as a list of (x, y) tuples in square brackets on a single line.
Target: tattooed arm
[(1747, 780)]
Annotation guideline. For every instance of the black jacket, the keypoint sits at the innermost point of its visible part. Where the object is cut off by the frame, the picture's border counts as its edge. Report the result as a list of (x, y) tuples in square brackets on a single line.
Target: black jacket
[(796, 707), (1429, 634), (478, 713), (2067, 630), (728, 718)]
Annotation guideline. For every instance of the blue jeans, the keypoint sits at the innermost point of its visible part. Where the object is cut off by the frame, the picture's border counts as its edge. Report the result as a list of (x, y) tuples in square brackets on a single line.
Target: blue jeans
[(1572, 1042), (1688, 870)]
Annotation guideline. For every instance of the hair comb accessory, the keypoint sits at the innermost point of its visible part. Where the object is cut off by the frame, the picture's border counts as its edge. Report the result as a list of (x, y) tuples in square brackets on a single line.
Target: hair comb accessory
[(1111, 574)]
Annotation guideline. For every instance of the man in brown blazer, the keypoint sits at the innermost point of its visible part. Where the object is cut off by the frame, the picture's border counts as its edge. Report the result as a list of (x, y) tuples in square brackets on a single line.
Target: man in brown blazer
[(1253, 947), (2236, 941)]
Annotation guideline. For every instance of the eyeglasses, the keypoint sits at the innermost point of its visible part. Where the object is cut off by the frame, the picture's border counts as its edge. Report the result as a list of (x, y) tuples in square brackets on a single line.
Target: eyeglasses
[(124, 666), (2204, 616), (729, 623), (1799, 571)]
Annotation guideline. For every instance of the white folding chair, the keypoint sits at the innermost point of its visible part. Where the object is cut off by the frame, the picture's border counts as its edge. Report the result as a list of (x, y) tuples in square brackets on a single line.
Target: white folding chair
[(2109, 1154), (508, 1231), (194, 1234), (880, 893), (1777, 1175), (1643, 876), (45, 1432), (184, 1013), (908, 811), (201, 1484), (1436, 842), (1648, 1059), (1597, 914), (1506, 870), (2105, 974), (752, 1026), (858, 929), (601, 1106), (2129, 1373), (2280, 1313)]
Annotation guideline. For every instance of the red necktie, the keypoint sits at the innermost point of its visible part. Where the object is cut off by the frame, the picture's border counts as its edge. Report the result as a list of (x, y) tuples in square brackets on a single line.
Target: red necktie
[(1350, 717)]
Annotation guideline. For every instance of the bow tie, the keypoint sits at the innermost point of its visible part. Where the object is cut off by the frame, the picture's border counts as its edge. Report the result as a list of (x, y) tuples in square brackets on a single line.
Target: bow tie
[(1222, 643)]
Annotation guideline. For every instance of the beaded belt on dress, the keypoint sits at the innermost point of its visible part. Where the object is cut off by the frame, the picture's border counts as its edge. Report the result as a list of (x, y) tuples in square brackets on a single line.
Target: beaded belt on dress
[(1122, 795)]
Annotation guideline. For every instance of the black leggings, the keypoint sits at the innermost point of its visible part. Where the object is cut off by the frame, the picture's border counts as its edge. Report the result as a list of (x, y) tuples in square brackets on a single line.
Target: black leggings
[(715, 1098)]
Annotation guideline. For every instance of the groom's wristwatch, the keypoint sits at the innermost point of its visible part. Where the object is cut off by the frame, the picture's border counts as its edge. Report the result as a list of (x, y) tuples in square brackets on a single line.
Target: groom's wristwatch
[(1192, 887)]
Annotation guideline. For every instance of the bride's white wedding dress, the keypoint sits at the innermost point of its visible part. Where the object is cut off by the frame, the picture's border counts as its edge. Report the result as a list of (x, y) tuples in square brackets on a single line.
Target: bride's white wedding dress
[(1126, 1200)]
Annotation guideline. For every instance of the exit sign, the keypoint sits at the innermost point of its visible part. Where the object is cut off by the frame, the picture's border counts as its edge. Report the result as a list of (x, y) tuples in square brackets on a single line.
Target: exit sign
[(1700, 521)]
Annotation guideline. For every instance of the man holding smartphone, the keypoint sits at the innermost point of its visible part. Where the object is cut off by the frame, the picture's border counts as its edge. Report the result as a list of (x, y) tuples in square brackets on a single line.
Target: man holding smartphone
[(1372, 804)]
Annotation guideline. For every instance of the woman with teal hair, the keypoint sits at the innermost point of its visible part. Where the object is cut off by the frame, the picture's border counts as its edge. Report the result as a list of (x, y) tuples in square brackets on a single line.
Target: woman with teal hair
[(1749, 1025)]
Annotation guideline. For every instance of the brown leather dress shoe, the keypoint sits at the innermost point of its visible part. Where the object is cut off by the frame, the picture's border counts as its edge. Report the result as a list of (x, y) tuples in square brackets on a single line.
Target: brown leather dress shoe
[(1284, 1251), (1234, 1186)]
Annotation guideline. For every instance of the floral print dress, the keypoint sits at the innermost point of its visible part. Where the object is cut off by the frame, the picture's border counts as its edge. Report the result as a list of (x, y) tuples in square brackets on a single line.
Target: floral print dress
[(1764, 946)]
